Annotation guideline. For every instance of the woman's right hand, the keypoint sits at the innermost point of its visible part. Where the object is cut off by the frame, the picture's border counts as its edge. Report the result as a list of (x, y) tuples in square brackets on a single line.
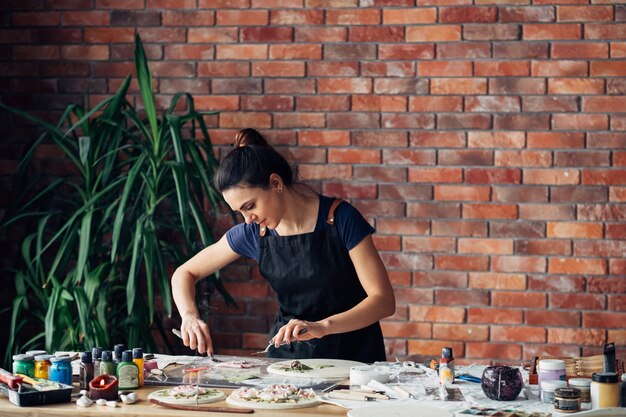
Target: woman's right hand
[(195, 334)]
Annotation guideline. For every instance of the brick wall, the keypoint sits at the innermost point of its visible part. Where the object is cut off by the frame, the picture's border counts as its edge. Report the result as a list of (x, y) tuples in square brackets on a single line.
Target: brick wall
[(486, 143)]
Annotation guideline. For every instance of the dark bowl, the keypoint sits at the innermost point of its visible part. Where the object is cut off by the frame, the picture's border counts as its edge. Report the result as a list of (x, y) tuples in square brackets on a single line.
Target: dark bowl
[(502, 383)]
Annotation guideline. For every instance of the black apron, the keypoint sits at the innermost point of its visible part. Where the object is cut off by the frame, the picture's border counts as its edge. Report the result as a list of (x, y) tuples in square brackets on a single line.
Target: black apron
[(314, 278)]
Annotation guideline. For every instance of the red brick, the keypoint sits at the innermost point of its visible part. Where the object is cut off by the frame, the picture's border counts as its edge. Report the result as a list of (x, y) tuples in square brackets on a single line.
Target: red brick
[(354, 156), (577, 266), (84, 52), (322, 103), (387, 69), (518, 264), (492, 176), (241, 119), (462, 332), (242, 17), (616, 231), (353, 17), (467, 50), (617, 302), (435, 104), (407, 16), (400, 86), (518, 299), (591, 337), (437, 211), (532, 351), (162, 35), (374, 103), (491, 280), (407, 121), (428, 244), (521, 121), (443, 139), (447, 279), (462, 263), (575, 230), (551, 176), (617, 336), (493, 350), (415, 295), (526, 14), (495, 139), (604, 177), (406, 51), (547, 31), (321, 34), (439, 33), (267, 102), (111, 69), (578, 301), (433, 348), (339, 69), (35, 52), (461, 193), (619, 159), (247, 289), (492, 104), (299, 120), (560, 68), (402, 226), (349, 52), (405, 192), (583, 13), (502, 69), (303, 155), (584, 50), (188, 18), (295, 51), (380, 173), (543, 247), (575, 86), (517, 229), (399, 278), (216, 35), (266, 34), (549, 104), (296, 17), (468, 14), (325, 172), (388, 243), (445, 69), (188, 52), (347, 85), (234, 85), (120, 4), (494, 315), (489, 211), (463, 86), (551, 140), (35, 18), (171, 4), (230, 103), (607, 69), (518, 50), (86, 18), (289, 86), (604, 248), (517, 86), (173, 69), (607, 284), (520, 194), (437, 314), (408, 157), (602, 212), (465, 157), (579, 193), (462, 297), (459, 228), (552, 318), (618, 49), (617, 194), (435, 175), (270, 4), (605, 31), (324, 138), (604, 104), (241, 52), (277, 69), (518, 334), (376, 34), (523, 158), (606, 140), (353, 120), (406, 329), (490, 32)]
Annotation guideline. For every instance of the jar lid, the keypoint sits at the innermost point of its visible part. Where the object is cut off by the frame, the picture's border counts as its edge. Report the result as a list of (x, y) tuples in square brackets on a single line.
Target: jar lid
[(60, 359), (606, 377), (46, 357), (127, 356), (552, 385), (22, 357), (551, 364), (86, 357), (623, 377), (138, 353), (580, 382), (107, 356), (567, 393), (34, 353)]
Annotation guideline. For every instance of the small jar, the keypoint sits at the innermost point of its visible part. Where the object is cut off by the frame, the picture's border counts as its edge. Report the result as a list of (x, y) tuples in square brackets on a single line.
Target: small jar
[(60, 370), (24, 364), (584, 385), (42, 364), (550, 370), (604, 390), (622, 389), (567, 400), (548, 388), (34, 353)]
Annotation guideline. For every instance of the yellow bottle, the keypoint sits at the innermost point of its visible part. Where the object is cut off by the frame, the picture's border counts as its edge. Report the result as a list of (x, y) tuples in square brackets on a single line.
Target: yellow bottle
[(138, 360)]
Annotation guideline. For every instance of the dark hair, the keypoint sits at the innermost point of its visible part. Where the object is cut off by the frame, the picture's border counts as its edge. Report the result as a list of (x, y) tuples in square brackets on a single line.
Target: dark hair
[(251, 163)]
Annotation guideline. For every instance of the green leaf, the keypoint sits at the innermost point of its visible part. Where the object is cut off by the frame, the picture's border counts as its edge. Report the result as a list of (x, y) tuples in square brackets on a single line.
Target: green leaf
[(144, 78), (85, 245), (132, 273)]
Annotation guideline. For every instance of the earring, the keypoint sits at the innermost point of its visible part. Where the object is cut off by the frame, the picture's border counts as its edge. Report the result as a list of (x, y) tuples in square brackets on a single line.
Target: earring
[(280, 190)]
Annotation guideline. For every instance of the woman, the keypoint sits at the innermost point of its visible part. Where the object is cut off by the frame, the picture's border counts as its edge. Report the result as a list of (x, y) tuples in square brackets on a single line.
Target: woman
[(316, 252)]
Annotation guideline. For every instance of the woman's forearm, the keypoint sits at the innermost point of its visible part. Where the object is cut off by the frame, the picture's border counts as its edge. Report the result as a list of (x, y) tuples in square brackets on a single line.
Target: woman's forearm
[(372, 309), (184, 293)]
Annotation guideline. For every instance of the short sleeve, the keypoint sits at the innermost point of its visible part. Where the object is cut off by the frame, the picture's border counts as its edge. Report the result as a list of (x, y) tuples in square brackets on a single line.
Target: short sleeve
[(244, 240), (351, 225)]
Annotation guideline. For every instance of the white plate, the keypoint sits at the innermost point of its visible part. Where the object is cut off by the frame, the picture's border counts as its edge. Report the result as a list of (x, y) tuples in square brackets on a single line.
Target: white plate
[(240, 402), (322, 368), (161, 395), (399, 410)]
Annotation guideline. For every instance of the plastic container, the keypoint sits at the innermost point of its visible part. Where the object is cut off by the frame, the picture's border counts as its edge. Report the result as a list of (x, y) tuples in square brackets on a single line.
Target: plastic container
[(127, 372), (604, 390), (85, 370), (42, 364), (138, 360), (567, 400), (550, 370), (548, 388), (622, 389), (107, 366), (584, 386), (24, 364), (60, 370)]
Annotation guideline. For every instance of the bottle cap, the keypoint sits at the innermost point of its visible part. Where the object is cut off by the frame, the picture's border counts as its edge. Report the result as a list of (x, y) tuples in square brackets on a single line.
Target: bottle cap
[(567, 393), (604, 377), (118, 349), (446, 352), (60, 359), (34, 353), (127, 356), (106, 356), (551, 364), (138, 353), (96, 353), (85, 357), (22, 357), (46, 357), (580, 382)]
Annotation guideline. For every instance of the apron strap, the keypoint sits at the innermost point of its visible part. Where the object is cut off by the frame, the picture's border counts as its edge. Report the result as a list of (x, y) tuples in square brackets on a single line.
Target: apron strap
[(331, 213)]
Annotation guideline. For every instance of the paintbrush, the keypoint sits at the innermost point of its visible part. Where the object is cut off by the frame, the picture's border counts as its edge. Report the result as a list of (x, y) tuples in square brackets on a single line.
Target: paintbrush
[(39, 384)]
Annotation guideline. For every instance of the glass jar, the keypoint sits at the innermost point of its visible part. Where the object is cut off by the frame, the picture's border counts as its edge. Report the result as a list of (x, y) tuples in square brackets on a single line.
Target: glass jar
[(548, 388), (502, 383), (42, 364), (550, 370), (60, 370), (584, 385), (567, 400), (604, 390), (24, 364)]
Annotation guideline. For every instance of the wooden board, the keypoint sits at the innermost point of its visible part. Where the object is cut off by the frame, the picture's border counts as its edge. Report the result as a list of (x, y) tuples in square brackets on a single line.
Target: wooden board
[(320, 368)]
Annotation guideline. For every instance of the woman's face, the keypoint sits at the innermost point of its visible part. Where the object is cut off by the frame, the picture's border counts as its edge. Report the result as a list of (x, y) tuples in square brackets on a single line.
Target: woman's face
[(263, 206)]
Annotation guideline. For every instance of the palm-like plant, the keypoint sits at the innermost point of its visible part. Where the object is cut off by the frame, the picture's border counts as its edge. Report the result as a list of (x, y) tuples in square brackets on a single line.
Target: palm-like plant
[(135, 208)]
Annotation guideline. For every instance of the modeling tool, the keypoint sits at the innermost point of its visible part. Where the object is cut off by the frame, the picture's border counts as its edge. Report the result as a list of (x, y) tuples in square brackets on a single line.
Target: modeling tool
[(12, 381), (39, 384)]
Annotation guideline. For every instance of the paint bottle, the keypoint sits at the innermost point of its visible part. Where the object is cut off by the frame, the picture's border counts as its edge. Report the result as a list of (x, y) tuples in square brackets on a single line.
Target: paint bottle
[(85, 370), (60, 370), (446, 375), (584, 385), (622, 390), (42, 363), (604, 390), (127, 372), (96, 354), (107, 366), (548, 388), (24, 364), (550, 370), (138, 360), (448, 359), (567, 400), (118, 350)]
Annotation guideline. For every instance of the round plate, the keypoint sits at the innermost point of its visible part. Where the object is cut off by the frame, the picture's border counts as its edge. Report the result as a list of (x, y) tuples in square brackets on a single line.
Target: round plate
[(240, 402), (164, 396), (320, 368), (399, 410)]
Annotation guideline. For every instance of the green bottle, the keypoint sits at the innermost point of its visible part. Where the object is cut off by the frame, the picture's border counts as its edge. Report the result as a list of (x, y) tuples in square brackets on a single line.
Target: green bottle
[(127, 372), (107, 367)]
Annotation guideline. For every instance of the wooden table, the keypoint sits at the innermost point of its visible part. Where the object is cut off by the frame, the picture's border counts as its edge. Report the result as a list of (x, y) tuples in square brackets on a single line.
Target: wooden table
[(143, 408)]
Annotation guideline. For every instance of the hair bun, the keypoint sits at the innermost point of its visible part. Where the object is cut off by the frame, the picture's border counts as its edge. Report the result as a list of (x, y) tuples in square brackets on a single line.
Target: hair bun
[(249, 136)]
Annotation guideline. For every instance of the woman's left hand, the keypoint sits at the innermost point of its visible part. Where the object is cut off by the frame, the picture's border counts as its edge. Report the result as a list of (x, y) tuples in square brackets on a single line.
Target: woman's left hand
[(293, 331)]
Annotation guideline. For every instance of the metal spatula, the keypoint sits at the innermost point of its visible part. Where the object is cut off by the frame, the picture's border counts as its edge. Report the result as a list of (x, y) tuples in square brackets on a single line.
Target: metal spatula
[(270, 344)]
